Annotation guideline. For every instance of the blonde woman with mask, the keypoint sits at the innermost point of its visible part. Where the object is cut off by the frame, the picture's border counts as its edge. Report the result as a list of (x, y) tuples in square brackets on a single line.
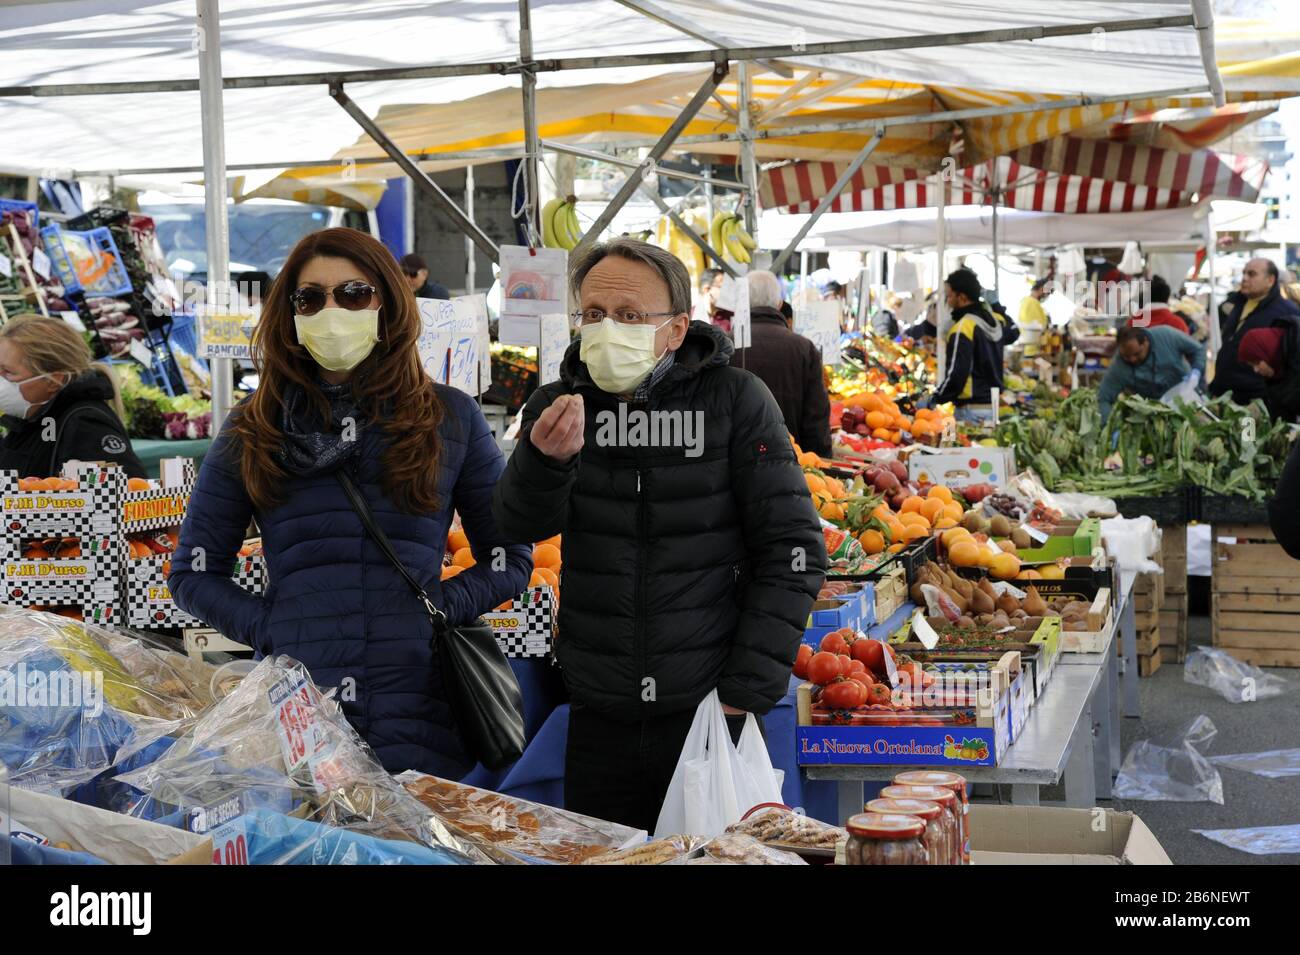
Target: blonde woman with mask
[(56, 405)]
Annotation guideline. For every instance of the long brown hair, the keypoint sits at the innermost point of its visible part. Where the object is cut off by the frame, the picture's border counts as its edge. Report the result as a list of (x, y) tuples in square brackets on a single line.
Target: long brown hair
[(390, 386), (51, 346)]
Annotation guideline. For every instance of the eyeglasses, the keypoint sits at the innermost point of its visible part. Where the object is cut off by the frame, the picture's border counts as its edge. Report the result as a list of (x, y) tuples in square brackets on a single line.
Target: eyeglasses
[(352, 296), (410, 275), (624, 316)]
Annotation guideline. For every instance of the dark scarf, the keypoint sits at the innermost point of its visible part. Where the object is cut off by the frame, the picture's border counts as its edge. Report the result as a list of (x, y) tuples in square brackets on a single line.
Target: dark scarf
[(307, 450)]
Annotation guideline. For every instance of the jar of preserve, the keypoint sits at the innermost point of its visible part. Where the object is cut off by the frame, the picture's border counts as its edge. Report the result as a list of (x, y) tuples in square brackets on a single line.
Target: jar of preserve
[(885, 839), (953, 781), (937, 826), (945, 798)]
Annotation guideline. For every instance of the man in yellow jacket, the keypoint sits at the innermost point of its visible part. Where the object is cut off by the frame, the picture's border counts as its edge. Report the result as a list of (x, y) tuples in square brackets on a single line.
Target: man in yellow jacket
[(1033, 315)]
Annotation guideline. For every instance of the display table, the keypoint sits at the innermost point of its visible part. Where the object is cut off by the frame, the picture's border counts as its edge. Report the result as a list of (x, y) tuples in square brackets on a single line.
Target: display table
[(151, 452), (1055, 742)]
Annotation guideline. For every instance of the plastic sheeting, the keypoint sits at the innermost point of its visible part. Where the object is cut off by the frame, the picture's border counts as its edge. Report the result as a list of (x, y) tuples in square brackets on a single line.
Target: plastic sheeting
[(1234, 680), (1259, 841), (1271, 764), (1177, 773)]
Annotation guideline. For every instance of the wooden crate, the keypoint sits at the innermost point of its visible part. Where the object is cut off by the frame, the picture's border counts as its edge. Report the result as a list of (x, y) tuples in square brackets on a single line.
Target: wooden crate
[(1173, 558), (1255, 597), (1148, 665), (1173, 654), (890, 593), (1149, 602), (1148, 642), (1145, 620)]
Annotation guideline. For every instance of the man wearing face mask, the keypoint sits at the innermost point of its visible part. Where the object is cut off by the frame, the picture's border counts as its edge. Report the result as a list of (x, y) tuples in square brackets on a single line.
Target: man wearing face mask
[(56, 405), (692, 552)]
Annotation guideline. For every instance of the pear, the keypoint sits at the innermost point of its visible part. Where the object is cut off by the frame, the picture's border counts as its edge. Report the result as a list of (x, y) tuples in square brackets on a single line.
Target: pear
[(956, 597), (980, 602), (963, 586), (1008, 604), (987, 587), (1034, 604), (984, 619), (915, 593)]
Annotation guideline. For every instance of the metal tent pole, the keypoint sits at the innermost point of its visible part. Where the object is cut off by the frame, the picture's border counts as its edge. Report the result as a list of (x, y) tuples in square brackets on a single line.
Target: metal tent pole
[(941, 248), (1211, 246), (207, 25), (471, 263), (686, 230), (532, 143), (748, 163), (997, 281)]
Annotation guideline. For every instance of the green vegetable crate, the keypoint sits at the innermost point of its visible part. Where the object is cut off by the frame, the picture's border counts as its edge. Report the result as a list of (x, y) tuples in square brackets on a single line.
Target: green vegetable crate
[(1069, 539)]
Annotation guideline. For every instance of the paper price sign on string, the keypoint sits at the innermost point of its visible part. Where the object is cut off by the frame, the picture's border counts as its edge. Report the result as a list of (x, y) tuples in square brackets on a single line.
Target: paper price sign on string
[(41, 263), (554, 334), (819, 322), (1034, 533), (471, 313), (533, 280), (6, 266)]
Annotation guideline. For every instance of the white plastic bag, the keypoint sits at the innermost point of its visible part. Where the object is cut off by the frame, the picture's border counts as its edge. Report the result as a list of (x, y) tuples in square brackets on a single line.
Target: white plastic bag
[(1234, 680), (714, 785)]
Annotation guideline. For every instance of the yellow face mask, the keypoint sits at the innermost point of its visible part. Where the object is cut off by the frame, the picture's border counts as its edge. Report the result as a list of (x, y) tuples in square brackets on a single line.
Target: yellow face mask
[(619, 356), (338, 339)]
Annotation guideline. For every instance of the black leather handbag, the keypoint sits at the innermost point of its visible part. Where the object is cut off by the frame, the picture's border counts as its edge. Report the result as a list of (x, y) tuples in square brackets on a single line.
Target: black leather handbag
[(480, 686)]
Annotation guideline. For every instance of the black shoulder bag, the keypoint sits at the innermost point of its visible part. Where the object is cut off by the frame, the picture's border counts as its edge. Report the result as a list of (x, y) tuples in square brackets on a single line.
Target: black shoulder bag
[(480, 686)]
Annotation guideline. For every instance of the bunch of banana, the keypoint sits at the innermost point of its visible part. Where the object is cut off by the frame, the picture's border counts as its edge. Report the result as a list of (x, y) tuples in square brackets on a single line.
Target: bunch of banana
[(671, 238), (728, 235), (560, 228)]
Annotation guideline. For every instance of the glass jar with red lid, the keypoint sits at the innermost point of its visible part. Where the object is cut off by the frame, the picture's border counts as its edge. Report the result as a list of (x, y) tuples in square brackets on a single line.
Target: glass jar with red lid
[(945, 798), (953, 781), (938, 828), (886, 839)]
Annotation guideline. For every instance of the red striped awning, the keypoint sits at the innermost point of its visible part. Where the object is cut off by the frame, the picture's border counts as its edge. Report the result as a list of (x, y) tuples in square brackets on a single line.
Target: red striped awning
[(1069, 175)]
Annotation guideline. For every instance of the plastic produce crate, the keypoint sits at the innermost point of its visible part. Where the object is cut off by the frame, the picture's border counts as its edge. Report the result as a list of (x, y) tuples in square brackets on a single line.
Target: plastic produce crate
[(1230, 509), (106, 278)]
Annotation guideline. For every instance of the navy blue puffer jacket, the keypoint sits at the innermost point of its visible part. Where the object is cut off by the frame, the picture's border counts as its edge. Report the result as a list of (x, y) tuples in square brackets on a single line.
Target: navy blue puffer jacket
[(336, 604)]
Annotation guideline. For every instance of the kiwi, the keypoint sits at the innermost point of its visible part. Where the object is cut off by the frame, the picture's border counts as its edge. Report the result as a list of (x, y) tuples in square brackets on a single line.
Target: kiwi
[(1020, 537), (1000, 526), (972, 521)]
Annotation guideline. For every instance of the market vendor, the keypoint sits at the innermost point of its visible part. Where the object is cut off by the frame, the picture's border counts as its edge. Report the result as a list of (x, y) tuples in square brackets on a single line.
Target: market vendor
[(974, 350), (690, 564), (57, 405), (1032, 315), (1150, 362), (1154, 310), (1260, 305), (343, 393), (789, 364), (1264, 351)]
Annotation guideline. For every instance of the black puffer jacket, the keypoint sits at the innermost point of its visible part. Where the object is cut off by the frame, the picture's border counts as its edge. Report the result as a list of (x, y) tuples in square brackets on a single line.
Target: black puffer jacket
[(85, 429), (1230, 375), (682, 572)]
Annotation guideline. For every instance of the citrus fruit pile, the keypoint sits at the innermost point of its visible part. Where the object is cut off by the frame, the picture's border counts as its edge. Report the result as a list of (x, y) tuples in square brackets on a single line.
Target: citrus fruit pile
[(546, 562)]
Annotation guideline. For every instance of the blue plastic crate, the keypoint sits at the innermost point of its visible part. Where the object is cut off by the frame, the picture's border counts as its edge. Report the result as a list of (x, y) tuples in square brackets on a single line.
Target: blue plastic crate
[(109, 281), (184, 333), (18, 205)]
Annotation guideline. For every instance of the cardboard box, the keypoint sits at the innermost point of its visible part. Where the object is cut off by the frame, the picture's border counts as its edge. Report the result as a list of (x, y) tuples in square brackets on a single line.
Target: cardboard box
[(1067, 539), (121, 840), (959, 467), (889, 593), (1039, 835), (527, 628)]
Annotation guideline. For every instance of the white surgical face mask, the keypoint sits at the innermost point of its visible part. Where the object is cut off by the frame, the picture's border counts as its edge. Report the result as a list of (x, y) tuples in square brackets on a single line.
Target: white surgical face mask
[(619, 356), (12, 401), (337, 338)]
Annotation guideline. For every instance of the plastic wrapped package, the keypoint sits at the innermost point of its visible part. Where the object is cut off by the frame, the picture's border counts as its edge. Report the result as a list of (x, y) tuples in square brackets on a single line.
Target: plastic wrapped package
[(1258, 841), (1272, 764), (511, 830), (735, 848), (69, 708), (265, 837), (1234, 680), (4, 815), (277, 743), (1178, 773), (670, 851), (1027, 486), (786, 829)]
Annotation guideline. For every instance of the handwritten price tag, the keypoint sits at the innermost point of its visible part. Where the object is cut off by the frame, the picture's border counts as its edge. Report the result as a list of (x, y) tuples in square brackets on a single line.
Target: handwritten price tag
[(40, 263), (294, 722)]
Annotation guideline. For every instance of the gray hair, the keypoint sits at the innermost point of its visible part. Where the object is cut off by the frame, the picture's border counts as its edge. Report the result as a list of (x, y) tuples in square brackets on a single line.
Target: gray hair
[(764, 290), (669, 267)]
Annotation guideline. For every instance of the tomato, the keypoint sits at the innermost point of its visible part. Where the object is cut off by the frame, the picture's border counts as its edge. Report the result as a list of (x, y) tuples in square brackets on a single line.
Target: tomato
[(856, 666), (880, 694), (865, 693), (842, 695), (834, 643), (872, 655), (823, 667), (846, 665), (801, 661)]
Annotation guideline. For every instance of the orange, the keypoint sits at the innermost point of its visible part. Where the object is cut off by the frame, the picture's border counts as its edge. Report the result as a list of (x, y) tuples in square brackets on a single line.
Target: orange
[(456, 540), (807, 459), (873, 403), (895, 548), (963, 553), (132, 484), (953, 510), (914, 532), (913, 518), (882, 434), (553, 541), (955, 534), (902, 423), (547, 555), (872, 541), (536, 580), (505, 605), (985, 556), (944, 523), (878, 419), (921, 426), (836, 489), (940, 492), (451, 571), (896, 528), (463, 558), (933, 509), (831, 511), (1030, 574), (551, 577), (883, 513), (895, 436), (816, 483), (912, 504), (1005, 566)]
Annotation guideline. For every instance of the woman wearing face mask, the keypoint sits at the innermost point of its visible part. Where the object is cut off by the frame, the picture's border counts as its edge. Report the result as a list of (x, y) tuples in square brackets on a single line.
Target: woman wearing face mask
[(57, 405), (342, 389)]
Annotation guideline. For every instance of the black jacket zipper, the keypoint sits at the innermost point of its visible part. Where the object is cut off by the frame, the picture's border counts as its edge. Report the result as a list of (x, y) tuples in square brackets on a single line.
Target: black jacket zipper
[(639, 604)]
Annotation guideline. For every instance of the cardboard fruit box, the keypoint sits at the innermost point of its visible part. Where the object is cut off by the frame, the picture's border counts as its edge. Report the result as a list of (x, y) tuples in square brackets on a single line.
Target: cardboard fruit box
[(1040, 835), (1067, 539), (527, 627), (961, 467)]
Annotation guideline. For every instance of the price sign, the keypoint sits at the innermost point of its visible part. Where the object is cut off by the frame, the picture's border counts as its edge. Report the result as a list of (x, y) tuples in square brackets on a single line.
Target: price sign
[(928, 636), (554, 343), (6, 266), (225, 335), (294, 721), (472, 315), (437, 327), (1034, 533), (41, 263), (230, 843), (734, 298), (533, 280), (819, 322), (73, 319), (140, 352)]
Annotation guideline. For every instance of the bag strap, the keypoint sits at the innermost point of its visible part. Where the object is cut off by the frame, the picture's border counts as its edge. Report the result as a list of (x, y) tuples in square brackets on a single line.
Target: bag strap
[(373, 529)]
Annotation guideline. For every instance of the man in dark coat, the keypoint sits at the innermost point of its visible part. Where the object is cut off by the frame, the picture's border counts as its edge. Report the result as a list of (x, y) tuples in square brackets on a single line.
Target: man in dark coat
[(417, 277), (789, 364), (1261, 306), (692, 553)]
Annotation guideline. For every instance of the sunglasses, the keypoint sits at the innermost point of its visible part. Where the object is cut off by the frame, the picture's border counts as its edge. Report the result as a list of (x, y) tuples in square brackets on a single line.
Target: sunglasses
[(352, 296)]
